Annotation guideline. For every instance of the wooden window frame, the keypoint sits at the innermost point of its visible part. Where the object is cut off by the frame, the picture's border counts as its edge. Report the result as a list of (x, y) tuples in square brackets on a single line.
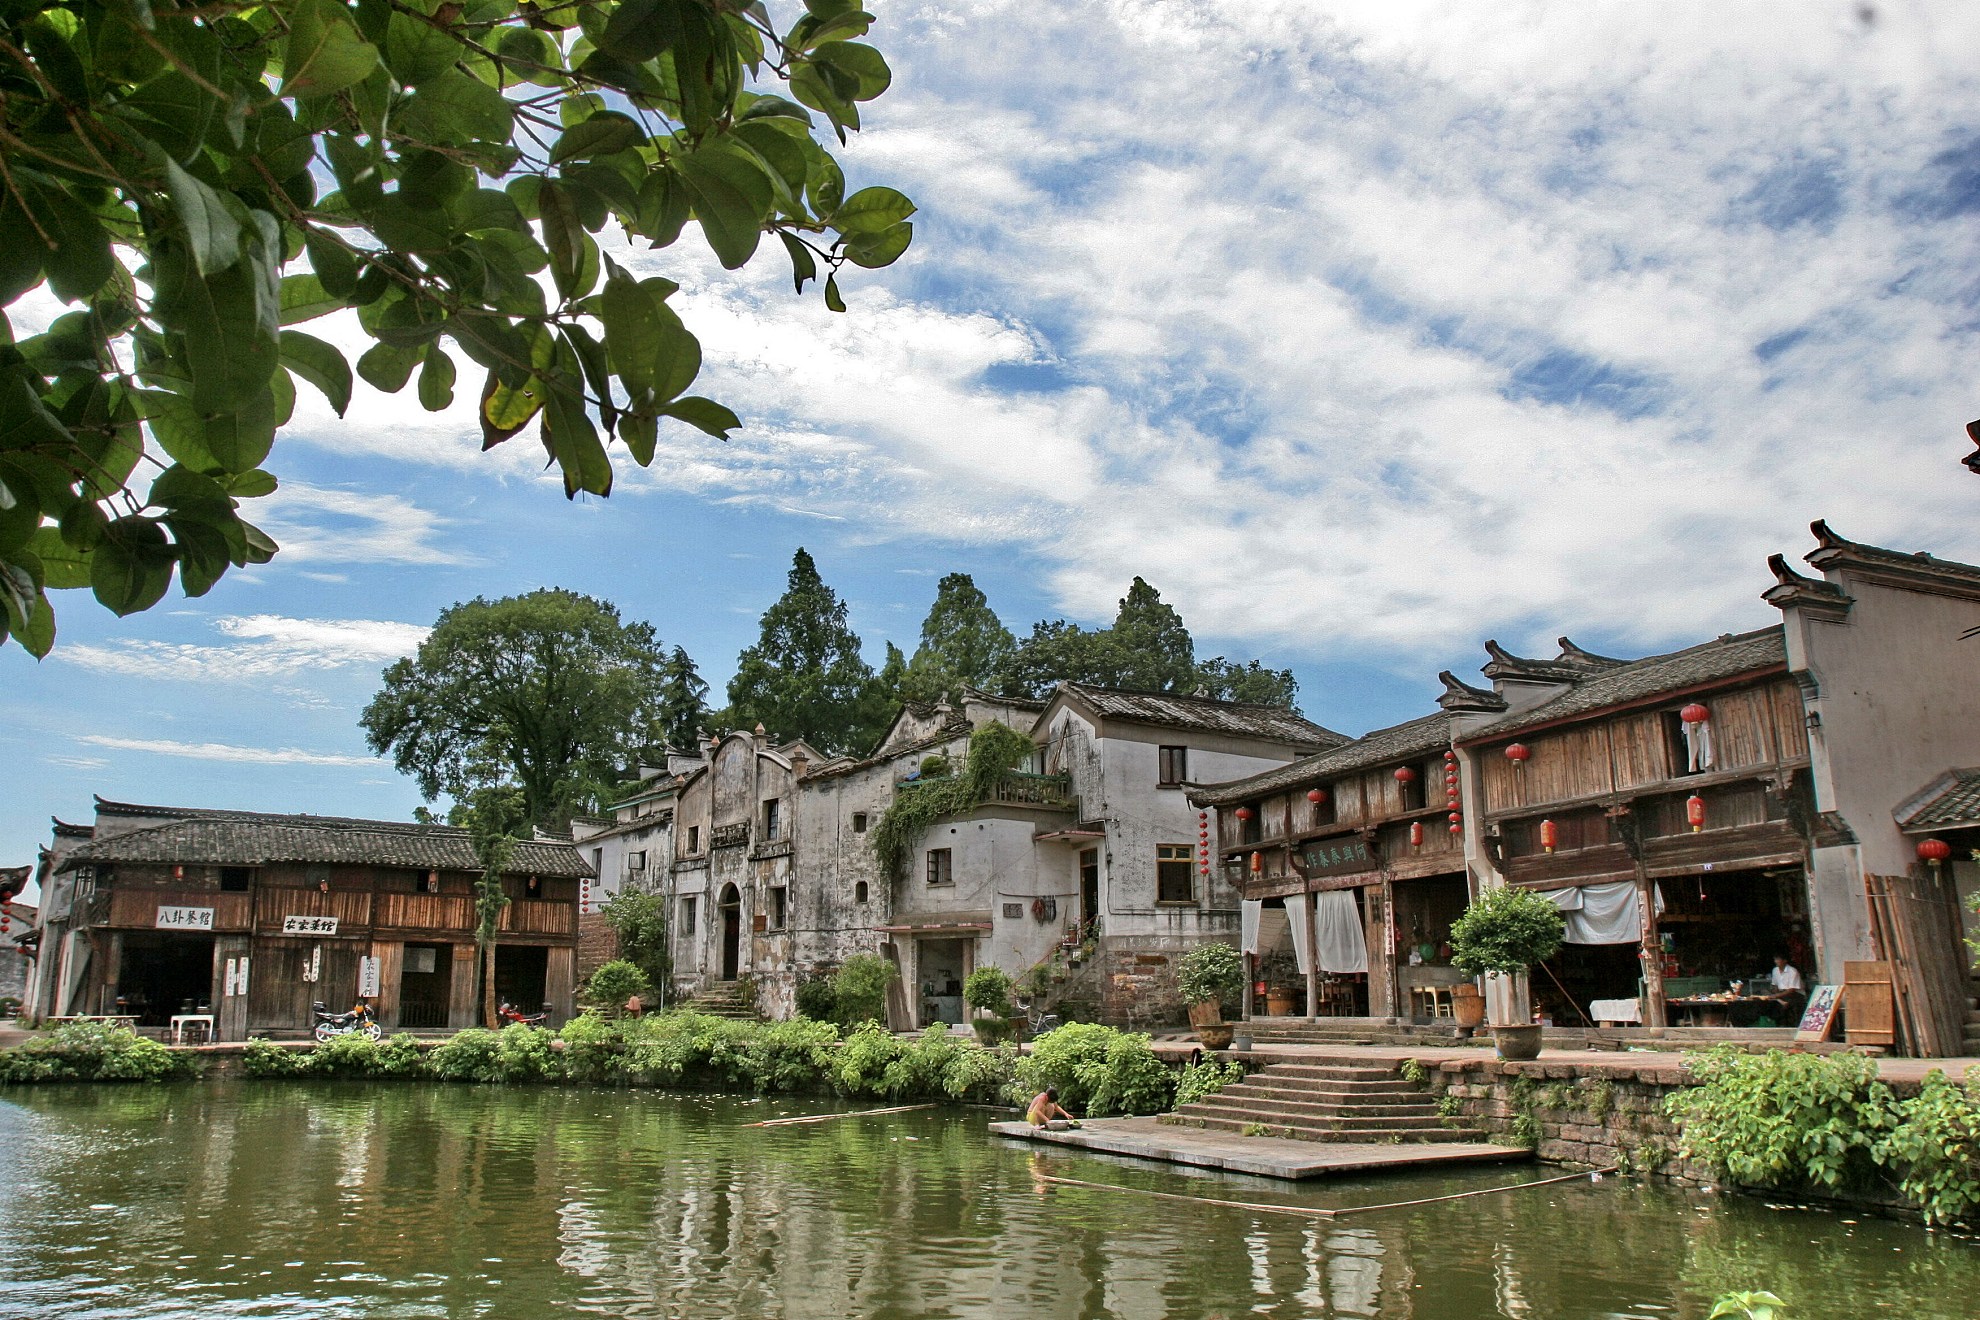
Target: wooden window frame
[(941, 861), (1172, 855), (1171, 766)]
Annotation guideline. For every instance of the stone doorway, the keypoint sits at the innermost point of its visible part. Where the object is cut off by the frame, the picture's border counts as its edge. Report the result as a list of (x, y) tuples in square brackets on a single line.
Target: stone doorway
[(731, 905)]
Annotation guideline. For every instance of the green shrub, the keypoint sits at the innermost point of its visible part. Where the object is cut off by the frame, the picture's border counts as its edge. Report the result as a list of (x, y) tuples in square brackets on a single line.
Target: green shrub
[(523, 1054), (594, 1050), (817, 1000), (979, 1075), (1097, 1070), (611, 985), (1202, 1080), (1934, 1147), (94, 1052), (264, 1058), (468, 1056), (352, 1055), (1506, 930), (1210, 974), (639, 921), (864, 1059), (860, 989), (1795, 1121), (790, 1056), (399, 1055), (989, 989)]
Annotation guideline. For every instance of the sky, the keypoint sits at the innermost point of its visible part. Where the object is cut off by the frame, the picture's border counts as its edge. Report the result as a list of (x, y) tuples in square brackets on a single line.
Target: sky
[(1364, 331)]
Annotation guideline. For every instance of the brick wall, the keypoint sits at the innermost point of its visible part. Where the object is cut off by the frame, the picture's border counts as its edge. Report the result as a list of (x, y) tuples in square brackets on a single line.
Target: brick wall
[(596, 944)]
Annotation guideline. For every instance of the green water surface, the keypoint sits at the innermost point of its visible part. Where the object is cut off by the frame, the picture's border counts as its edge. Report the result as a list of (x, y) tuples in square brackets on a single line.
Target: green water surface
[(317, 1199)]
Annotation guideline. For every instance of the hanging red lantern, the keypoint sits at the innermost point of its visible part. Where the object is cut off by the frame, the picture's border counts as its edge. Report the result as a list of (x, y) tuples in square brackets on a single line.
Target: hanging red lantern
[(1456, 816), (1518, 754), (1450, 776), (1416, 834), (1695, 713), (1244, 813), (1694, 812), (1549, 836), (1316, 795), (1934, 851), (1450, 754), (1405, 775), (1457, 829), (1257, 862)]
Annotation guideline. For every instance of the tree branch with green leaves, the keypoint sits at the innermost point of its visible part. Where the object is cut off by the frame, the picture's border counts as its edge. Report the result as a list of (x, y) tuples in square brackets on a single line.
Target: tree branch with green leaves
[(195, 180)]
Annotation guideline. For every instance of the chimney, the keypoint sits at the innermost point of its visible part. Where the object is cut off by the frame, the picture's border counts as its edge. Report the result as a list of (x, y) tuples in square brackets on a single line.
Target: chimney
[(799, 763)]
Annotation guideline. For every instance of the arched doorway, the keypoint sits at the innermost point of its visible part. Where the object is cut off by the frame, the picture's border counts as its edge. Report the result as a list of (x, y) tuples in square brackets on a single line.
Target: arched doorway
[(731, 905)]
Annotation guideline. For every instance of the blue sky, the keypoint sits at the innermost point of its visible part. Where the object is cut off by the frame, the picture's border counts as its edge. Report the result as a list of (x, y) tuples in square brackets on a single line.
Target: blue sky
[(1364, 334)]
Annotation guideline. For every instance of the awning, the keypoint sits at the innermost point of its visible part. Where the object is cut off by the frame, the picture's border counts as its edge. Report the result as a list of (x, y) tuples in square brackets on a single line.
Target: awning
[(937, 923), (1075, 835)]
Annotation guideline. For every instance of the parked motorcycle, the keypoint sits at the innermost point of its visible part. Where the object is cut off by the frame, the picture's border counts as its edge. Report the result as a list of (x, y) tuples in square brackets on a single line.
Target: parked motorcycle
[(508, 1012), (331, 1025)]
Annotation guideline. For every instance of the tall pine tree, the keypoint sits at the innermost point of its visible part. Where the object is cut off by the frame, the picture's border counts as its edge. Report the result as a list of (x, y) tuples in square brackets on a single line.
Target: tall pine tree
[(805, 677), (963, 644), (683, 701), (1148, 647)]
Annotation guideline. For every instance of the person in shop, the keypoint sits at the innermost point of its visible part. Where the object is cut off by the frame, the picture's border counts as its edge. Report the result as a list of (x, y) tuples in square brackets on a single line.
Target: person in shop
[(1787, 986)]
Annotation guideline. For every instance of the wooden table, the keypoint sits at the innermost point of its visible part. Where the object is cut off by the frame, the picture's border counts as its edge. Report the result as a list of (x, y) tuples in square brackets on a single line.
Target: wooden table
[(1717, 1011)]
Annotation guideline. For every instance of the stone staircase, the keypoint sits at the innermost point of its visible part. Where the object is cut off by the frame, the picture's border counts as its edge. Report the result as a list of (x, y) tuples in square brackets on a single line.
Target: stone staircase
[(1351, 1031), (722, 999), (1324, 1101), (1971, 1048)]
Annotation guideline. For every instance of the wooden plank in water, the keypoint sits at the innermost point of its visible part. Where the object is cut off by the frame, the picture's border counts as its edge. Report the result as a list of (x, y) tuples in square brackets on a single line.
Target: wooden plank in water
[(1270, 1157), (826, 1118)]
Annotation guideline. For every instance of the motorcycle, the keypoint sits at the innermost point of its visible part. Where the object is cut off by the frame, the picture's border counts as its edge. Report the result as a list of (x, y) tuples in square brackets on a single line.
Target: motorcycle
[(331, 1025), (508, 1012)]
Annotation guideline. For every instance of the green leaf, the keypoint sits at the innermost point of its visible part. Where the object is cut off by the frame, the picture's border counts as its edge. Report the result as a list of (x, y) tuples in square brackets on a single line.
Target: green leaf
[(600, 135), (730, 194), (832, 298), (211, 229), (416, 51), (862, 63), (455, 108), (881, 249), (303, 298), (640, 29), (335, 267), (803, 266), (179, 487), (388, 367), (250, 485), (240, 438), (640, 431), (573, 441), (324, 53), (436, 379), (871, 210), (705, 414), (826, 188), (64, 567), (563, 238), (131, 569), (321, 364), (505, 411), (28, 615)]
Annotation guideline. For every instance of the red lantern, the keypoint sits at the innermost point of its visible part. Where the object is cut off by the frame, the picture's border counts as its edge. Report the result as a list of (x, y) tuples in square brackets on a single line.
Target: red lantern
[(1549, 836), (1456, 816), (1257, 862), (1694, 812), (1244, 813), (1450, 776), (1316, 795), (1450, 754), (1519, 753), (1416, 834), (1695, 713), (1405, 775), (1934, 851), (1457, 829)]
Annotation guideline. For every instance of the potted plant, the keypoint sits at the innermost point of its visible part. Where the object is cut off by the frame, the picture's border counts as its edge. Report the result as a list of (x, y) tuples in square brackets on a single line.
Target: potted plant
[(1206, 977), (988, 990), (1506, 931)]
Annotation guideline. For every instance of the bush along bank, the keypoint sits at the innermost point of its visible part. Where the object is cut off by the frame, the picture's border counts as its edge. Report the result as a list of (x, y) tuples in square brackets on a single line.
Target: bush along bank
[(1098, 1071), (93, 1052)]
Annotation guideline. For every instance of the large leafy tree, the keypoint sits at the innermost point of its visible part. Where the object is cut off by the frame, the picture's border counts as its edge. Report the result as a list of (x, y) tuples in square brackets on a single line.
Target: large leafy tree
[(193, 179), (548, 692), (1251, 682), (683, 701), (1148, 646), (805, 677), (963, 643)]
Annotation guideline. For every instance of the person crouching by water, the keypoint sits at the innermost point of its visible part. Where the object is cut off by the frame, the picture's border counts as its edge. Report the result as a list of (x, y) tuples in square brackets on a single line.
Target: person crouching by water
[(1047, 1112)]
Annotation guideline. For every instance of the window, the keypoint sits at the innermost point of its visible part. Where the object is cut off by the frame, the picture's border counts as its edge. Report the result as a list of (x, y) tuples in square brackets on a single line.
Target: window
[(1415, 791), (859, 822), (1323, 810), (779, 907), (687, 915), (234, 879), (1678, 747), (859, 892), (772, 819), (1174, 868), (694, 839), (1173, 766), (636, 861), (940, 867)]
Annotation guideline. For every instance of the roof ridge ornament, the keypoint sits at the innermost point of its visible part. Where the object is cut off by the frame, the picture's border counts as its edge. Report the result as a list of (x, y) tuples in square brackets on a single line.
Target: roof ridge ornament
[(1572, 654), (1460, 695)]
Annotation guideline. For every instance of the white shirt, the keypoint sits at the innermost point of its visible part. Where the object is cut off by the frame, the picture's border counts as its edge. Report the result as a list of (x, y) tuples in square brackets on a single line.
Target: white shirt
[(1785, 978)]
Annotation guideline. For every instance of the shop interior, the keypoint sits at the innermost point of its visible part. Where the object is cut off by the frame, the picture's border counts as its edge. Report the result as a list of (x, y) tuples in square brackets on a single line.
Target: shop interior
[(163, 974), (522, 972), (1279, 977), (939, 964), (1425, 909), (425, 985)]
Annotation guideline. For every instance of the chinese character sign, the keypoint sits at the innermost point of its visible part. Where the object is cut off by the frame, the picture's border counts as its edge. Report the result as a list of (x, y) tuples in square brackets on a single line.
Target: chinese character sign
[(368, 978), (1337, 857), (185, 918), (309, 925)]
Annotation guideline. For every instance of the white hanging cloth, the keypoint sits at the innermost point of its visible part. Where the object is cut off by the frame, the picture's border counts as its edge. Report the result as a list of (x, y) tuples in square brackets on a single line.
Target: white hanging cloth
[(1602, 914), (1698, 745), (1295, 915), (1249, 911), (1343, 945)]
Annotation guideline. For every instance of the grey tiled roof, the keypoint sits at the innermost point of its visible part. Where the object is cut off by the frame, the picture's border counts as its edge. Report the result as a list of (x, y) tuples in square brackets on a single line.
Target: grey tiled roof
[(205, 837), (1725, 657), (1957, 803), (1180, 711), (1399, 742)]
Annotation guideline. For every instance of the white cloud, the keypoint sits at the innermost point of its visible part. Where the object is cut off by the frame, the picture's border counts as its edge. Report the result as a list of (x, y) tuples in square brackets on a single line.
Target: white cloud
[(204, 751), (269, 645), (322, 525)]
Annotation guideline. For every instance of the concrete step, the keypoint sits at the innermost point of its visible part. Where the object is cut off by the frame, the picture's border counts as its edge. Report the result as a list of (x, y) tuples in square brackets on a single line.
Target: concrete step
[(1267, 1089), (1330, 1072), (1307, 1116), (1279, 1102), (1307, 1132)]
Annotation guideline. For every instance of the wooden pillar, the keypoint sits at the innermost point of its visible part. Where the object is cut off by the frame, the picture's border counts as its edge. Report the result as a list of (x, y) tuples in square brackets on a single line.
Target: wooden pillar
[(1250, 983), (1652, 951), (463, 988), (113, 966), (391, 955), (1312, 955), (230, 1012), (1383, 997), (559, 983)]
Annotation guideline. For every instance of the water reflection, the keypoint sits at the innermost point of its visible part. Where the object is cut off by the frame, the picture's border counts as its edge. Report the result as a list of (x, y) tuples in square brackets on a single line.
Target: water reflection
[(324, 1200)]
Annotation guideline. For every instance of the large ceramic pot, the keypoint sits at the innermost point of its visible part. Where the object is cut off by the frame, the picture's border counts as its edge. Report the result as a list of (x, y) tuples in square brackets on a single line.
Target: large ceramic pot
[(1206, 1014), (1278, 1002), (1467, 1007), (1517, 1042), (1216, 1035)]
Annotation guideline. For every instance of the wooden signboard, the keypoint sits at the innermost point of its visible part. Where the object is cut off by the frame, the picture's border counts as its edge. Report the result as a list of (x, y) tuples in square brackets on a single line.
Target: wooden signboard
[(1336, 856), (1820, 1019), (1872, 1004)]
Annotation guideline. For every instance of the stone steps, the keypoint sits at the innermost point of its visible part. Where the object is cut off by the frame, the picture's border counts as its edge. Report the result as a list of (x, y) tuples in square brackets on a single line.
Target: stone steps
[(1305, 1130), (1340, 1102)]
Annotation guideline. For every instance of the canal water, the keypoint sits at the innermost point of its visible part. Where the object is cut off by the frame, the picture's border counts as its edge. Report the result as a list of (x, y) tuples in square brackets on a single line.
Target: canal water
[(305, 1200)]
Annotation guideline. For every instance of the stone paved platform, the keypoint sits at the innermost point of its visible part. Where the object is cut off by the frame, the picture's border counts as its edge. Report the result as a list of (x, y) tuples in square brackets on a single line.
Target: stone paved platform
[(1271, 1157)]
